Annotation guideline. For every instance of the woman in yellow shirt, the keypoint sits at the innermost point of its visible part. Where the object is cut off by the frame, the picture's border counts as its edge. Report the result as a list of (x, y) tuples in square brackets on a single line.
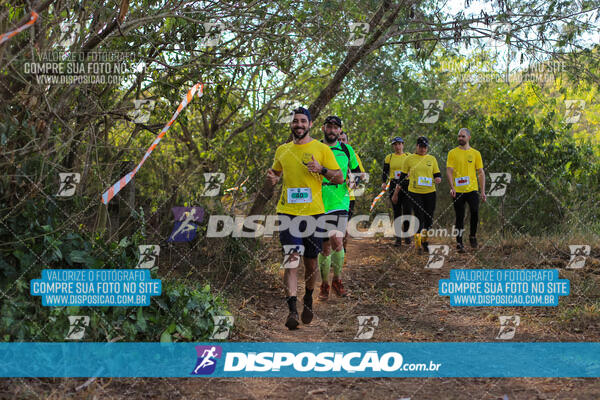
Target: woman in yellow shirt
[(423, 174), (392, 168)]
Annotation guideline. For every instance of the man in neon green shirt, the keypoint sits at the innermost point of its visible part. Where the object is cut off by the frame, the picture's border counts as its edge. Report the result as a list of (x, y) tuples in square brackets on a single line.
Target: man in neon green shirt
[(336, 200)]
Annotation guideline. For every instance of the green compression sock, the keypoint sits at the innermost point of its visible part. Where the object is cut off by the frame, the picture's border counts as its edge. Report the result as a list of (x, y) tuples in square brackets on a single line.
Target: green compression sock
[(337, 260), (324, 265)]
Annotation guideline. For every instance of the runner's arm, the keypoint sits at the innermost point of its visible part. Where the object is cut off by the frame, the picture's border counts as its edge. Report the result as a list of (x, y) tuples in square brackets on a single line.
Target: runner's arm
[(450, 175), (334, 176), (403, 178), (273, 176), (386, 172)]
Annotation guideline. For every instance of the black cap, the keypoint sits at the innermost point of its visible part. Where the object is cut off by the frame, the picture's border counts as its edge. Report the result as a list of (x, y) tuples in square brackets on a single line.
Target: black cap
[(397, 139), (422, 141), (332, 119), (302, 110)]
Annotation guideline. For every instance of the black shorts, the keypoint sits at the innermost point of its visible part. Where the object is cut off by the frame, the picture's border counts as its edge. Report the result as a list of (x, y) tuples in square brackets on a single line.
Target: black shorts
[(312, 242)]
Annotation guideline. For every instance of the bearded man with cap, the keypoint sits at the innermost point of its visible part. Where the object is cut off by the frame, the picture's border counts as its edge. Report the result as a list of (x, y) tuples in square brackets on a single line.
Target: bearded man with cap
[(303, 163), (336, 199)]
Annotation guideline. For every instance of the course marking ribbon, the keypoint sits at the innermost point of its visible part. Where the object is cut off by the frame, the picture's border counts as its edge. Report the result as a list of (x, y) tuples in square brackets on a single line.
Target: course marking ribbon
[(5, 36), (376, 199), (120, 184)]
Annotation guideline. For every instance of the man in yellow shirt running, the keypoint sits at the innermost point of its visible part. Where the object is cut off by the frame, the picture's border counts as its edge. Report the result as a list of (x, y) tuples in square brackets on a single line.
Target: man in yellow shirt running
[(303, 162), (463, 165)]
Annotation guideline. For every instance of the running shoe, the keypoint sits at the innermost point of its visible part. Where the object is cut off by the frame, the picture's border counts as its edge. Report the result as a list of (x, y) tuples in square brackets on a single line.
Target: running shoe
[(307, 314), (324, 293), (473, 242), (292, 321), (338, 288)]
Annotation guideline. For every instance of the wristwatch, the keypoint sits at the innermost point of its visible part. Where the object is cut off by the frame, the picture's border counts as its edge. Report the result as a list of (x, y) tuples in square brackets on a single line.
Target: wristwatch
[(323, 171)]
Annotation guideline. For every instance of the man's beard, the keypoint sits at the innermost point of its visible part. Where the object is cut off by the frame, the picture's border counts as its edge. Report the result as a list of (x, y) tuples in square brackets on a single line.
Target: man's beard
[(300, 136), (328, 135), (462, 142)]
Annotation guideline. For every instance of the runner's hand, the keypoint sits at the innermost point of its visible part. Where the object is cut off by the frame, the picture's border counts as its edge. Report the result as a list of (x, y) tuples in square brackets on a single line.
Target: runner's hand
[(314, 166), (395, 197), (453, 193), (383, 185), (483, 197), (272, 177), (438, 180)]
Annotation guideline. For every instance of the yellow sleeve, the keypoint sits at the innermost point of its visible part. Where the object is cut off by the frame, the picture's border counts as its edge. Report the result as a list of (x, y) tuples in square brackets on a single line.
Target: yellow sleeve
[(329, 160), (362, 169), (276, 163), (450, 162), (478, 161), (405, 165), (387, 159), (436, 169)]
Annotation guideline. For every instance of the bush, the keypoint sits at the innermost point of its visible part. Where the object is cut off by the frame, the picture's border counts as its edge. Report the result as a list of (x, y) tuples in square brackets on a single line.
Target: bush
[(182, 312)]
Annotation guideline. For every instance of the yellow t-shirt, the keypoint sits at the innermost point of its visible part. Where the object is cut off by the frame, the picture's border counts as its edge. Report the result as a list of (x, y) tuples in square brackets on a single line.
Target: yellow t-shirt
[(420, 170), (465, 164), (395, 162), (362, 169), (301, 191)]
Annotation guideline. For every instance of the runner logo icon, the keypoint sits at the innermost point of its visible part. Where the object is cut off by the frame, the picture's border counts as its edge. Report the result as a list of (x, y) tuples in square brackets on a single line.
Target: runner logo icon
[(77, 325), (148, 255), (366, 326), (436, 256), (579, 253), (508, 326), (358, 33), (213, 182), (500, 181), (186, 220), (68, 184), (223, 323), (207, 359), (431, 111)]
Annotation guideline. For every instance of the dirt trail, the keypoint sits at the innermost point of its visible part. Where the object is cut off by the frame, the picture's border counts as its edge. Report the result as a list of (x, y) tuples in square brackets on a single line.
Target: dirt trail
[(392, 284)]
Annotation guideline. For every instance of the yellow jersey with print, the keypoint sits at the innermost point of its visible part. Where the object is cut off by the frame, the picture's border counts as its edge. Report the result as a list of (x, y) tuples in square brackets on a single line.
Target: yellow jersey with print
[(465, 164), (420, 170), (301, 190), (395, 162), (362, 169)]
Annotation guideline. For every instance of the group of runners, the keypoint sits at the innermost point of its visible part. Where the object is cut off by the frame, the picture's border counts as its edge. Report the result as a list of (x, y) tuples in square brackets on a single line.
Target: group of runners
[(316, 187)]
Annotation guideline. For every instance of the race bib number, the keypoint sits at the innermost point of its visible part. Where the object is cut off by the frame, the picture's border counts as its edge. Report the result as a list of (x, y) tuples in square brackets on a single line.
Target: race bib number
[(299, 195), (462, 181), (397, 174), (425, 181)]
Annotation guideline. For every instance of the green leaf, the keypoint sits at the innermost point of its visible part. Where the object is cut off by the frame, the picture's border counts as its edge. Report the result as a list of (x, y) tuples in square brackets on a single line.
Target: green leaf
[(81, 257), (165, 337), (141, 321)]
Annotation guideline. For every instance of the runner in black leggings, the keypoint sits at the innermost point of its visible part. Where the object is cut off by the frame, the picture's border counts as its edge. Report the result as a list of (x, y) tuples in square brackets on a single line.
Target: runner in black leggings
[(423, 173), (464, 169), (392, 168)]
